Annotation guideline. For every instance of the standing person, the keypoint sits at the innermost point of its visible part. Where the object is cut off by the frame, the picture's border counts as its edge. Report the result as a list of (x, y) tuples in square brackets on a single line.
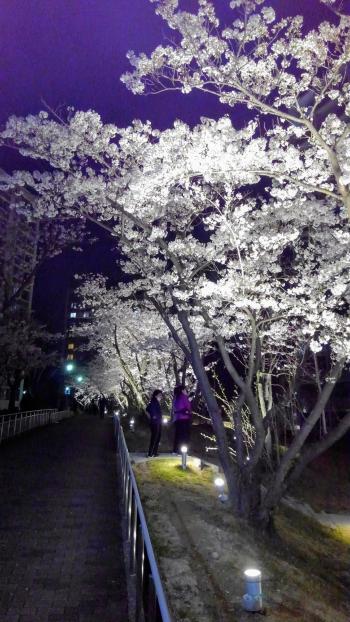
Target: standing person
[(181, 417), (154, 413)]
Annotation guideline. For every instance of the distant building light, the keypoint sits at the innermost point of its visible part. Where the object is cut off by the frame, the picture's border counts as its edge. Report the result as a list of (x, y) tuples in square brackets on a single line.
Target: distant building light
[(71, 346), (73, 314), (67, 390)]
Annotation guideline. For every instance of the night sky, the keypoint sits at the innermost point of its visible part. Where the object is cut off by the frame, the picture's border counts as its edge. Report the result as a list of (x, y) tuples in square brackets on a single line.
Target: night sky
[(72, 52)]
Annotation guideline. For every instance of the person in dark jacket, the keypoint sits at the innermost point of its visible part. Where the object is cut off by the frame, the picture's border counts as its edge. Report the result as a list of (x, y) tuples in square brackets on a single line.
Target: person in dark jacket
[(154, 414), (181, 418)]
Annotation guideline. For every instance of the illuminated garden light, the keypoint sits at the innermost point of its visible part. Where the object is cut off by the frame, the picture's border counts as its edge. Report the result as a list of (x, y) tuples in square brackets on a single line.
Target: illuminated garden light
[(69, 367), (252, 599), (79, 378), (219, 482), (165, 420), (184, 450)]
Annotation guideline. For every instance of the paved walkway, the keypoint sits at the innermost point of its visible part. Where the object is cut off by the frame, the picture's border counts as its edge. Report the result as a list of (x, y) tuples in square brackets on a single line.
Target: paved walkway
[(61, 554)]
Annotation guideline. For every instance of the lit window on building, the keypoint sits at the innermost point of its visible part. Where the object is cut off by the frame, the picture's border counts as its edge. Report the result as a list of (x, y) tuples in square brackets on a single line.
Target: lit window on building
[(70, 357), (71, 346), (73, 314)]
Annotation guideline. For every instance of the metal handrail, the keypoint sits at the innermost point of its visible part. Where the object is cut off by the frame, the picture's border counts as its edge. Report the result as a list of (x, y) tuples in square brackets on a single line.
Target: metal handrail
[(150, 597), (13, 424)]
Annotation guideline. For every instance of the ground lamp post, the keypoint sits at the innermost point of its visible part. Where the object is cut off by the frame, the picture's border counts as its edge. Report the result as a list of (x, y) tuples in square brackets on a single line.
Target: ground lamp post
[(220, 485), (252, 599), (69, 367), (184, 450)]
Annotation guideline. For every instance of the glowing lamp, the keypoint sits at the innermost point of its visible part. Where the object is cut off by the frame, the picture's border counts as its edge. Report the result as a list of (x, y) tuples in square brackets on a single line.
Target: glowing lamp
[(184, 450), (165, 420), (69, 367), (252, 599), (219, 482), (79, 378)]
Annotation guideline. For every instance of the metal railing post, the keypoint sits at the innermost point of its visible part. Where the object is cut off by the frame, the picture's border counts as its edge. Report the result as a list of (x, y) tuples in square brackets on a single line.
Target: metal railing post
[(13, 424), (133, 539), (151, 605), (128, 512), (140, 558)]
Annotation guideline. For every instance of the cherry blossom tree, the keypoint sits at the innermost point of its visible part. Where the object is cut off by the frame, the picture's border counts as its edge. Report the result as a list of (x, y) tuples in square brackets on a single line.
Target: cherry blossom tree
[(296, 81), (25, 347), (52, 237), (101, 378), (129, 341), (223, 266)]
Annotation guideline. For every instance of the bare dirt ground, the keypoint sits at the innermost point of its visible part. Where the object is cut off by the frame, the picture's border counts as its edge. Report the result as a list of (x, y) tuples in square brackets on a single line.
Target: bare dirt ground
[(203, 551)]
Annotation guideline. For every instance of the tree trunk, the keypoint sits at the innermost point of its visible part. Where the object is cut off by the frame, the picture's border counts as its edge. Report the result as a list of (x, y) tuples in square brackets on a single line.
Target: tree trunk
[(292, 457), (214, 412)]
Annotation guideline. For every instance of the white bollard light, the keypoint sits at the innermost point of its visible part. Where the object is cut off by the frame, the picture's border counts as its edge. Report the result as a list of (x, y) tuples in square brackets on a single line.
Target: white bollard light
[(220, 485), (252, 599), (184, 450)]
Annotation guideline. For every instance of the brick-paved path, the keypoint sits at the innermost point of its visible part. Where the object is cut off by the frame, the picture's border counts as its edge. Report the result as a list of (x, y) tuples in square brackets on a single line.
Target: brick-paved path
[(61, 554)]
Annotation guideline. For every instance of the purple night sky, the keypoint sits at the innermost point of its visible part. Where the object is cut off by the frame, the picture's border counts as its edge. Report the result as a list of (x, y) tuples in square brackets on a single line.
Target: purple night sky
[(72, 52)]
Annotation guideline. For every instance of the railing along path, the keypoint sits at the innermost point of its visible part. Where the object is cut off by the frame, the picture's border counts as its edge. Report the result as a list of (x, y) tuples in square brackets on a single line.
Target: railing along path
[(151, 604), (13, 424)]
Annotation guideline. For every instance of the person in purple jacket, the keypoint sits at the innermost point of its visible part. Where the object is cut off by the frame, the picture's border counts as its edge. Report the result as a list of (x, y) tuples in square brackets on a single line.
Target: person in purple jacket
[(154, 414), (181, 418)]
